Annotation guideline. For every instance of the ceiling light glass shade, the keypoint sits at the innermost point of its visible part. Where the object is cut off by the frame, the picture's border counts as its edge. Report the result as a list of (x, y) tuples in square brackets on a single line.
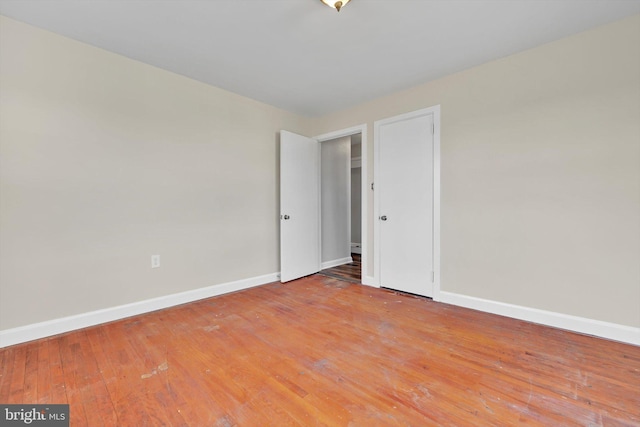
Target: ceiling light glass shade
[(337, 5)]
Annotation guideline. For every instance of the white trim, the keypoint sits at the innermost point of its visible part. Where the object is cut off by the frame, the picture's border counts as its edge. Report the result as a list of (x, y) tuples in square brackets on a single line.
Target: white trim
[(343, 132), (66, 324), (435, 111), (376, 204), (436, 201), (613, 331), (336, 262), (360, 129), (369, 281), (356, 248), (319, 156), (349, 213), (364, 204)]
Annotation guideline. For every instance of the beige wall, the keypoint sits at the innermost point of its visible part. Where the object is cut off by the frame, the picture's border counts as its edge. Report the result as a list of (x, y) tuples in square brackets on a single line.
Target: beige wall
[(106, 161), (540, 174), (335, 160)]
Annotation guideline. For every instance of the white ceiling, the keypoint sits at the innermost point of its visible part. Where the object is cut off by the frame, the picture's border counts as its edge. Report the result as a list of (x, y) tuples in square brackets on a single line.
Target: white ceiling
[(304, 57)]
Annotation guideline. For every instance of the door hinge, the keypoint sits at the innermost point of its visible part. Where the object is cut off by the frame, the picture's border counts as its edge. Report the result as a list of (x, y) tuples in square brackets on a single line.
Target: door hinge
[(433, 277), (372, 186)]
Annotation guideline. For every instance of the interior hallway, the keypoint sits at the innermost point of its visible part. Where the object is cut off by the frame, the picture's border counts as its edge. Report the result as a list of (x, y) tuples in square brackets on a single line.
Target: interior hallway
[(351, 272)]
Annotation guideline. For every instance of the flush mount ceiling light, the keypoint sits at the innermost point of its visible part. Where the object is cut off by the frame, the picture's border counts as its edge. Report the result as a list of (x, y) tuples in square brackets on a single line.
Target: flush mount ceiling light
[(337, 5)]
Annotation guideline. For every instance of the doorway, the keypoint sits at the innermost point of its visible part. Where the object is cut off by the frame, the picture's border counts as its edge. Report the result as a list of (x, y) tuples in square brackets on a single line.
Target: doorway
[(341, 198), (292, 246), (358, 136)]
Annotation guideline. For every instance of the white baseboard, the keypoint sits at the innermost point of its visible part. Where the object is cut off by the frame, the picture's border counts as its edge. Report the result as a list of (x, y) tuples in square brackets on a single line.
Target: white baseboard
[(336, 262), (356, 248), (370, 281), (612, 331), (58, 326), (35, 331)]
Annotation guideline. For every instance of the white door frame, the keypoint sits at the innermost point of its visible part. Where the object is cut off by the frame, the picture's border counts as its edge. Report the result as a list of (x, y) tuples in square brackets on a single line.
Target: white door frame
[(360, 129), (435, 111)]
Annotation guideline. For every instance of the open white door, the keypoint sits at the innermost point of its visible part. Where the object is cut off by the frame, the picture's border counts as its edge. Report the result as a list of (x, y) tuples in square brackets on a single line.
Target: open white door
[(299, 206)]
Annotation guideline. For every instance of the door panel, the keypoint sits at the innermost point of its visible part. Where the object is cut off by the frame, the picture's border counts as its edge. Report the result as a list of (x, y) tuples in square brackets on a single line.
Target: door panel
[(299, 206), (405, 184)]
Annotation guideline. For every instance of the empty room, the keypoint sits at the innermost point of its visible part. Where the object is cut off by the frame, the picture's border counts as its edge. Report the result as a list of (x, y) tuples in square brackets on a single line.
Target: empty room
[(320, 213)]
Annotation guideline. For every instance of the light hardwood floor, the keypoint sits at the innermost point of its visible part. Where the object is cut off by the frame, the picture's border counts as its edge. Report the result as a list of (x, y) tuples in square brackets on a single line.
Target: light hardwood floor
[(320, 351)]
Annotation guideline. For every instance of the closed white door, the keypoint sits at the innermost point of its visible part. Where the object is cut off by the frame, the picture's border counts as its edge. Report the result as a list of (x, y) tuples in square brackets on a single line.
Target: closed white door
[(405, 192), (299, 206)]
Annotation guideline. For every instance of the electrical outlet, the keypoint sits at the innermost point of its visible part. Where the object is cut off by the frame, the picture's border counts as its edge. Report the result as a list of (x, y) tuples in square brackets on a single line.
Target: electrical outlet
[(155, 261)]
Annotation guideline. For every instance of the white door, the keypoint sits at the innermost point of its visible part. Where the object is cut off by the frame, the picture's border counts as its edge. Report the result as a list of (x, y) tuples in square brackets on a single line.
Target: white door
[(405, 191), (299, 206)]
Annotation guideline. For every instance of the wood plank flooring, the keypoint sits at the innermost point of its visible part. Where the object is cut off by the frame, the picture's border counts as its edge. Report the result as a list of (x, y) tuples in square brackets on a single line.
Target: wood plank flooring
[(324, 352), (351, 272)]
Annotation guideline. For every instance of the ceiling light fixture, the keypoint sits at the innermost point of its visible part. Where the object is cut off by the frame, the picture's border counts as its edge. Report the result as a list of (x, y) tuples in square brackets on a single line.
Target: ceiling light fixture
[(337, 5)]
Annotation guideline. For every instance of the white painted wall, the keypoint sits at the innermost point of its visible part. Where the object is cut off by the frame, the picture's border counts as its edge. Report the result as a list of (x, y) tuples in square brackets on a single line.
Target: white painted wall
[(356, 205), (105, 161), (540, 174), (336, 176), (356, 189)]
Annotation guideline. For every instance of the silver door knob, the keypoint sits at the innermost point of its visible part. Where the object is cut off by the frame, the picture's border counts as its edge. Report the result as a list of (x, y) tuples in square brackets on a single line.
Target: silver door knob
[(285, 217), (383, 218)]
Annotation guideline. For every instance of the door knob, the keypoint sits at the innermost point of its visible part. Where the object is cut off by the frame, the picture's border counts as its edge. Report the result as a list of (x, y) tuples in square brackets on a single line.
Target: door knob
[(383, 218), (285, 217)]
